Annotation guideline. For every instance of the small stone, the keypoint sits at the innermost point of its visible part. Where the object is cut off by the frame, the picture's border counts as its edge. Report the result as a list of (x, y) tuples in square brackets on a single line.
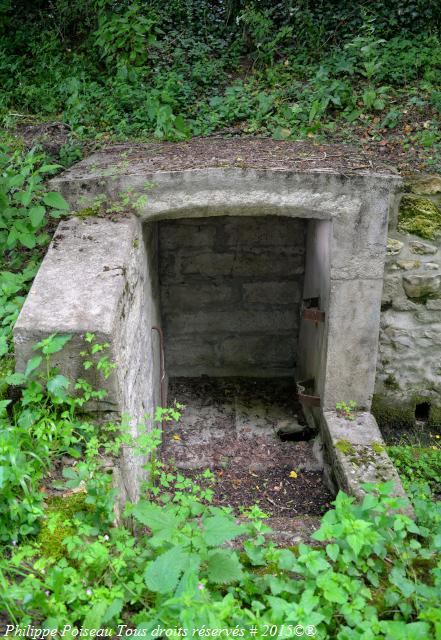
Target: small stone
[(428, 185), (422, 285), (408, 264), (393, 247), (422, 248), (433, 305), (288, 427), (431, 265)]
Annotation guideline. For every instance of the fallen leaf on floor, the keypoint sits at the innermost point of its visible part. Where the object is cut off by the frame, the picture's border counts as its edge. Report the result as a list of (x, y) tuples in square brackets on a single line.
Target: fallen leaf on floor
[(175, 437), (292, 474)]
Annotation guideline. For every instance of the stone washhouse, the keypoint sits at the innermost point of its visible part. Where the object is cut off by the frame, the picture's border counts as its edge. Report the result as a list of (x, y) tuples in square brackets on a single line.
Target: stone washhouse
[(248, 258)]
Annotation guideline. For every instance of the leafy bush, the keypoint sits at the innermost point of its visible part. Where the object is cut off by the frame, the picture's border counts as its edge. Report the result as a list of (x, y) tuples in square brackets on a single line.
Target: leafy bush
[(176, 69), (419, 463), (25, 208), (374, 570)]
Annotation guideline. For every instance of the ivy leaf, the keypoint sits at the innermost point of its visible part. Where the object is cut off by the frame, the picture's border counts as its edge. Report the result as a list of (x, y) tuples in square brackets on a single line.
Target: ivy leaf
[(219, 529), (411, 631), (162, 575), (55, 200), (36, 215), (68, 472), (398, 578), (15, 379), (223, 567), (56, 213), (3, 405), (355, 542), (52, 344), (48, 168), (332, 591)]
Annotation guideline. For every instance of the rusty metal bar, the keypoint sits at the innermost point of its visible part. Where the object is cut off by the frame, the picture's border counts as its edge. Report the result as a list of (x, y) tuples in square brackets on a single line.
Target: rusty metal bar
[(307, 399), (314, 314), (161, 366)]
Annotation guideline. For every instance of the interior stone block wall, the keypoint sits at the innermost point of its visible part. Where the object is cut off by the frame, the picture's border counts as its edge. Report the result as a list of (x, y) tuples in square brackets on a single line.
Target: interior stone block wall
[(230, 290)]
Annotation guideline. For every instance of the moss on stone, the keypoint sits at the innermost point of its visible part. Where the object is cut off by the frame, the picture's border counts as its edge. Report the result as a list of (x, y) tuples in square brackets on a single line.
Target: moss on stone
[(87, 212), (345, 447), (391, 382), (420, 217), (377, 447), (58, 524), (392, 415), (434, 421), (402, 416)]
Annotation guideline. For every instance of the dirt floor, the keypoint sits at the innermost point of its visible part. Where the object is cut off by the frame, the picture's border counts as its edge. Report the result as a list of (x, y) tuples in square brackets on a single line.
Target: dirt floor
[(231, 426)]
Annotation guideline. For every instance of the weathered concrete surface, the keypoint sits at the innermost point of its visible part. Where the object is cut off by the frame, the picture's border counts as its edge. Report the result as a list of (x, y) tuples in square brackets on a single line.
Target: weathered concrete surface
[(230, 295), (357, 453), (98, 278), (113, 286), (356, 207)]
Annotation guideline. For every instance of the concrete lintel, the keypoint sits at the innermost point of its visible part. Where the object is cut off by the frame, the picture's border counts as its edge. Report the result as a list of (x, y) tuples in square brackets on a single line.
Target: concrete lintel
[(218, 191)]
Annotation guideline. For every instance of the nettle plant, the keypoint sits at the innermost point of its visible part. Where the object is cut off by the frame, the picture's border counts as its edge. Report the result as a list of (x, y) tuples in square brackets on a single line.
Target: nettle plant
[(177, 561), (43, 425), (24, 201), (25, 208)]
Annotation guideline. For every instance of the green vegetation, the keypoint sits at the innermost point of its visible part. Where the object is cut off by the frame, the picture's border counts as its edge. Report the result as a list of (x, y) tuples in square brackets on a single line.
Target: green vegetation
[(374, 569), (346, 409), (138, 69), (366, 73), (345, 447), (418, 462)]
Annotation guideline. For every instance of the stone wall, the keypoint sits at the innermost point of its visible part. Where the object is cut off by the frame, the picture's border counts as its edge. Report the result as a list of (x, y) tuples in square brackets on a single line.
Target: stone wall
[(408, 381), (230, 294), (100, 276)]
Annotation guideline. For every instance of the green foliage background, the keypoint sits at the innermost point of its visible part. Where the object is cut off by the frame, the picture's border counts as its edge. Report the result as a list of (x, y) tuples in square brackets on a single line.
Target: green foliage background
[(171, 70), (109, 69)]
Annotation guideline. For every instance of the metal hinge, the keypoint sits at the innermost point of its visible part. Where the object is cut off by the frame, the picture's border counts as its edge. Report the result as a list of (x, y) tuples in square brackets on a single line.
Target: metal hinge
[(311, 310), (316, 315), (306, 398)]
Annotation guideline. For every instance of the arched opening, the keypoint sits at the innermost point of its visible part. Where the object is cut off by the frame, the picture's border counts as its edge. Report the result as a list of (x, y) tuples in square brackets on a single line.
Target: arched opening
[(231, 293)]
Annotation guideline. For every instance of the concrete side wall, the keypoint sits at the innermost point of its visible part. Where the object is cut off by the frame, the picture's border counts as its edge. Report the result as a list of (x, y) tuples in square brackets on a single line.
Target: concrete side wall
[(230, 294), (313, 336), (98, 278)]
